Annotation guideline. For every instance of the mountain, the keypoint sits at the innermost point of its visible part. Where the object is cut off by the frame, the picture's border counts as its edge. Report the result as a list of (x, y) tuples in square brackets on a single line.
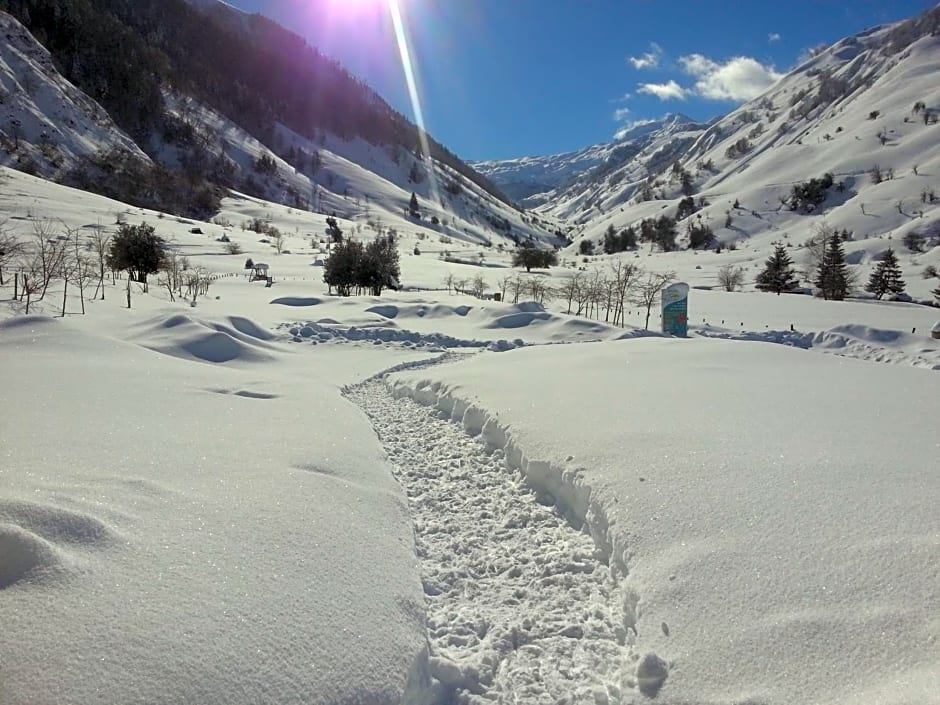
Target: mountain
[(193, 101), (859, 117), (533, 181)]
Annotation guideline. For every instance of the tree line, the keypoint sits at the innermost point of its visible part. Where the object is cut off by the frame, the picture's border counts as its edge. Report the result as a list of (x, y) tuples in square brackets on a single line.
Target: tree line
[(55, 252)]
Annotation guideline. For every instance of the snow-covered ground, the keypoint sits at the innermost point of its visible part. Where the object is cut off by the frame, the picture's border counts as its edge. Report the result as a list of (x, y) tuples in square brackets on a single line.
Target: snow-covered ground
[(192, 510), (769, 514)]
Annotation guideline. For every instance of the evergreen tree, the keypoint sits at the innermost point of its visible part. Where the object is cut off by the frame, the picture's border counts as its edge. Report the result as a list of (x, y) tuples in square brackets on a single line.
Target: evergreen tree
[(832, 276), (778, 275), (413, 208), (886, 279)]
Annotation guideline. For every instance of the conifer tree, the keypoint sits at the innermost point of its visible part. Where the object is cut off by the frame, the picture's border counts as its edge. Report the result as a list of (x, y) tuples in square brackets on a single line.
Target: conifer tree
[(413, 208), (778, 275), (832, 276), (886, 279)]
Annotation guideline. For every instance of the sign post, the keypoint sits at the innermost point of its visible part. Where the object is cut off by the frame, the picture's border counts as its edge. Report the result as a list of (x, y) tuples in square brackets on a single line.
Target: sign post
[(676, 310)]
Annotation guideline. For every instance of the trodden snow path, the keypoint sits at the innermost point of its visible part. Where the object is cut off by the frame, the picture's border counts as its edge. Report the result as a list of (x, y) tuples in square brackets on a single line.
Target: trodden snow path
[(521, 608)]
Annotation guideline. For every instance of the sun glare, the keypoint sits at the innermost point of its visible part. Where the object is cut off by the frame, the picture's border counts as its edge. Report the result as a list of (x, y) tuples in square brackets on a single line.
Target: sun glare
[(404, 49)]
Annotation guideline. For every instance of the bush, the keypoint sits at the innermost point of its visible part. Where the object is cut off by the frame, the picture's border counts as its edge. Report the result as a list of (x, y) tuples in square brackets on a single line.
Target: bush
[(809, 194), (586, 247), (233, 248)]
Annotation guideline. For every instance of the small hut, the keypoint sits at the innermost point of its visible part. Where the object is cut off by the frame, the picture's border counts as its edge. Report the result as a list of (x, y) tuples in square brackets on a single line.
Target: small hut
[(259, 272)]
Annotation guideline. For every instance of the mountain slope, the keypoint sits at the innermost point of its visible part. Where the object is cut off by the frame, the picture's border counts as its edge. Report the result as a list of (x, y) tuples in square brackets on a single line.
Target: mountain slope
[(864, 110), (537, 180), (228, 100)]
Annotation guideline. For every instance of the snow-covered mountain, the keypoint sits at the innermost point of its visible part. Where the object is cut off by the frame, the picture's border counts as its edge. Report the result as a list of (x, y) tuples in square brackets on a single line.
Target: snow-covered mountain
[(864, 110), (533, 181), (185, 145), (48, 124)]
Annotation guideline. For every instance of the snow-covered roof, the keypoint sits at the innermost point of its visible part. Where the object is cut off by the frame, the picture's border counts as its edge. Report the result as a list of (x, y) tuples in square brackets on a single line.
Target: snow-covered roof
[(936, 327), (261, 265)]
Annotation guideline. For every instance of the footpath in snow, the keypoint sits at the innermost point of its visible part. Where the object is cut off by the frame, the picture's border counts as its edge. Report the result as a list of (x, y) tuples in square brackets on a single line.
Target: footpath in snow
[(521, 607)]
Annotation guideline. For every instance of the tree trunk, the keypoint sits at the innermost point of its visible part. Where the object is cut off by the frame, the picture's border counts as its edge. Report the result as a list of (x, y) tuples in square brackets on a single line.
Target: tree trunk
[(65, 293)]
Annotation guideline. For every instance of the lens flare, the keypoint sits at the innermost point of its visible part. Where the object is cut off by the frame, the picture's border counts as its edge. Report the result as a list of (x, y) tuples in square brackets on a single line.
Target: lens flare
[(404, 49)]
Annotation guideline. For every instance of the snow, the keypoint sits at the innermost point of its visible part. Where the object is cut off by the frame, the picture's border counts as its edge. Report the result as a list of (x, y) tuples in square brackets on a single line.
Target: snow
[(228, 500), (771, 512), (176, 529)]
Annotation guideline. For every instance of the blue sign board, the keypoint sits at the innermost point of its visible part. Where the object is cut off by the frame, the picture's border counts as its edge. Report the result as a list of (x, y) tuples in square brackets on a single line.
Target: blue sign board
[(676, 310)]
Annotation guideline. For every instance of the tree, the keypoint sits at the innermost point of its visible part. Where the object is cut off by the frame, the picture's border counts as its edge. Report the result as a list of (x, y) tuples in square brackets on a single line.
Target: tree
[(278, 240), (10, 248), (778, 275), (249, 263), (586, 247), (379, 268), (333, 230), (648, 287), (374, 267), (832, 278), (100, 246), (936, 293), (413, 208), (528, 256), (886, 279), (340, 271), (914, 241), (137, 249), (730, 277)]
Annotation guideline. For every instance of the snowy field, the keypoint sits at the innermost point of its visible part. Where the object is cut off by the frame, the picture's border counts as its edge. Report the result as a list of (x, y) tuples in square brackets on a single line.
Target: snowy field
[(219, 503)]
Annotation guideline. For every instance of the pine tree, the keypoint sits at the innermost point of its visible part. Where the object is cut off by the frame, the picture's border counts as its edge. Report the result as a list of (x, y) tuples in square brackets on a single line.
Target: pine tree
[(778, 275), (886, 279), (413, 208), (832, 276)]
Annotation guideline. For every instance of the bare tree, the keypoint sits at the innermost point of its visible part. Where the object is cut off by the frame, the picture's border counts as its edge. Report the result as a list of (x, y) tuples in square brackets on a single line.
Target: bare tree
[(730, 278), (76, 266), (100, 243), (478, 286), (571, 289), (648, 288), (31, 283), (278, 238), (517, 287), (504, 284), (10, 248), (538, 290), (449, 281), (624, 276), (49, 253)]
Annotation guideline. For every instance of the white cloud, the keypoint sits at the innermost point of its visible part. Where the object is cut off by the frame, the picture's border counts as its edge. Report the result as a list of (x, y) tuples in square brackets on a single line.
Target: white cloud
[(623, 131), (740, 78), (774, 37), (649, 60), (664, 91), (621, 114)]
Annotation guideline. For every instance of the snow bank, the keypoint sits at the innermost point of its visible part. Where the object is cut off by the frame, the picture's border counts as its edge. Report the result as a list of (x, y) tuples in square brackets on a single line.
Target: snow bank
[(176, 531), (771, 513)]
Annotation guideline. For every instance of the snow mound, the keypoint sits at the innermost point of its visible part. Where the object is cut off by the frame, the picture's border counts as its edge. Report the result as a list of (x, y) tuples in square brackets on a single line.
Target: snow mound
[(850, 340), (434, 311), (23, 555), (297, 301), (519, 320), (217, 343)]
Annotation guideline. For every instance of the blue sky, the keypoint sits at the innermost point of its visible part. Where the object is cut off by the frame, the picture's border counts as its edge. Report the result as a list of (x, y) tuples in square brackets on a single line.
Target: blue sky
[(508, 78)]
